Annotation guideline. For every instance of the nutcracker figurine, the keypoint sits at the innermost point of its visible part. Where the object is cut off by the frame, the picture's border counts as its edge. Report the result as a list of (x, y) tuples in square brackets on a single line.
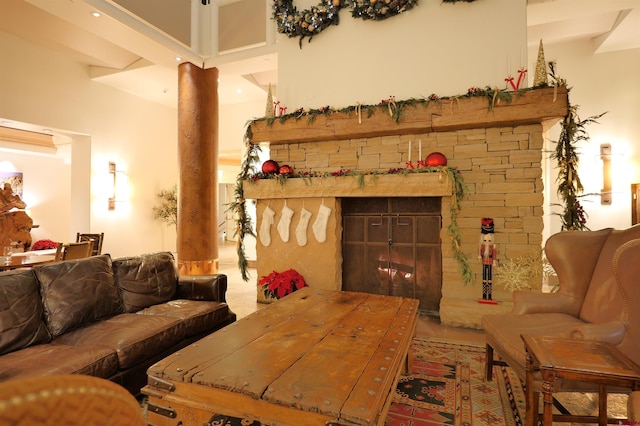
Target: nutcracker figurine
[(487, 254)]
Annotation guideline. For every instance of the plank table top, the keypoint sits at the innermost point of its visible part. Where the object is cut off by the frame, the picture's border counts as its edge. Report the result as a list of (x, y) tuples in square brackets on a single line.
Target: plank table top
[(313, 357)]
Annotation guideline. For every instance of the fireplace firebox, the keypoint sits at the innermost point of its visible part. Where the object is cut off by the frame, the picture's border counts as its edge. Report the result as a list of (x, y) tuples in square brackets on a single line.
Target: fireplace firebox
[(392, 246)]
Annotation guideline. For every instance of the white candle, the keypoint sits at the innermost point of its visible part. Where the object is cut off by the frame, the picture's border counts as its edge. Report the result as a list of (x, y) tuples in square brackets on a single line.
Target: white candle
[(420, 150), (409, 150), (508, 65), (522, 58)]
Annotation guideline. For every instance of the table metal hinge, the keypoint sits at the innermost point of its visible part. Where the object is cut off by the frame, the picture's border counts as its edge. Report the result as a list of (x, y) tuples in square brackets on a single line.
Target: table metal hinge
[(163, 411), (161, 384)]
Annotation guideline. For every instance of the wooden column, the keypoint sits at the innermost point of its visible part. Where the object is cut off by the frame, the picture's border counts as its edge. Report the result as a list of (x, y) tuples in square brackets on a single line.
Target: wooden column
[(197, 155)]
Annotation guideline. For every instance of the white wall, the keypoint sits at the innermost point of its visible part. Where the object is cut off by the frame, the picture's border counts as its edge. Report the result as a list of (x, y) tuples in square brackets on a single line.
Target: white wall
[(433, 48), (606, 82), (44, 88)]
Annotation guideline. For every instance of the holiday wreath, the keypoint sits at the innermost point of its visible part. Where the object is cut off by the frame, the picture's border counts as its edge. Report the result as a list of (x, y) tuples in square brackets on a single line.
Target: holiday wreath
[(310, 22)]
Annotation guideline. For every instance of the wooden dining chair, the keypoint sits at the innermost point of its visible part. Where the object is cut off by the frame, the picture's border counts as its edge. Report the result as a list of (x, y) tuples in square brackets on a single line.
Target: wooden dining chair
[(76, 250), (96, 241), (59, 249)]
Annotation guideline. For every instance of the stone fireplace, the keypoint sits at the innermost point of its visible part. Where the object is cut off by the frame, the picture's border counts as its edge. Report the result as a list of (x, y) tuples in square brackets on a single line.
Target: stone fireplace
[(497, 150)]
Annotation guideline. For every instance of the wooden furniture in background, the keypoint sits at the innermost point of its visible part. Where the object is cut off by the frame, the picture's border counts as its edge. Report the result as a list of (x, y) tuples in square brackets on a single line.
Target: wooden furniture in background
[(579, 360), (96, 241), (76, 250), (314, 357), (27, 261), (15, 223)]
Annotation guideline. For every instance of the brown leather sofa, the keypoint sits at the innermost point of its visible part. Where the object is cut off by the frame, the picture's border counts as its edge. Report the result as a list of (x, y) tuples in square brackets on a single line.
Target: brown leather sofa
[(598, 299), (105, 318)]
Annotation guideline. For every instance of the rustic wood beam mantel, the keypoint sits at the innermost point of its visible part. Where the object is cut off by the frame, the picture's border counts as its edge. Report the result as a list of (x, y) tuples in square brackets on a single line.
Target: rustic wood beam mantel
[(537, 106), (396, 185)]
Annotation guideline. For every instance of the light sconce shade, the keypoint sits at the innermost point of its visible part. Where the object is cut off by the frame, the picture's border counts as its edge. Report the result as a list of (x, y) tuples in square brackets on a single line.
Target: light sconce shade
[(606, 191), (112, 197), (118, 185)]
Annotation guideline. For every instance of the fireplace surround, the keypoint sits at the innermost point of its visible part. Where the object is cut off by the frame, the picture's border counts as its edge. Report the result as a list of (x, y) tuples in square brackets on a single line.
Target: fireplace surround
[(497, 149)]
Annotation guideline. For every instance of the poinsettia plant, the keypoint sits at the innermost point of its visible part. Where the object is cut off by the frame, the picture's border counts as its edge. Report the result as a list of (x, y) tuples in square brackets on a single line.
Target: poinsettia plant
[(44, 245), (279, 284)]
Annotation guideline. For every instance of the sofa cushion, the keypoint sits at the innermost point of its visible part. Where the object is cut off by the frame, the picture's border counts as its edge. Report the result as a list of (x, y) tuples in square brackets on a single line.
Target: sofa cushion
[(146, 280), (134, 338), (196, 316), (21, 311), (78, 292), (51, 358)]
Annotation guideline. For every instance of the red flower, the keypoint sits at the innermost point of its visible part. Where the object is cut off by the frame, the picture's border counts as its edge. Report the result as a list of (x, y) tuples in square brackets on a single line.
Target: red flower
[(44, 245), (279, 284)]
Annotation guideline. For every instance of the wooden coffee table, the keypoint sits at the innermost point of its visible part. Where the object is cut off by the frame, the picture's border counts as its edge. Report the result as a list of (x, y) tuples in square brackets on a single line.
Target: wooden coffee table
[(580, 360), (314, 357)]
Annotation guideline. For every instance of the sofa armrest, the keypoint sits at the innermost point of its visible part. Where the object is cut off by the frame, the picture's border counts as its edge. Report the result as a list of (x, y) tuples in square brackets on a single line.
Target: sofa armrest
[(609, 332), (203, 287), (536, 303)]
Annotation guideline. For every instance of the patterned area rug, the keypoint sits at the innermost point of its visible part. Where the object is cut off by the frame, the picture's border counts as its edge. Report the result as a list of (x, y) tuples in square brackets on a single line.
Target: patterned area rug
[(446, 387)]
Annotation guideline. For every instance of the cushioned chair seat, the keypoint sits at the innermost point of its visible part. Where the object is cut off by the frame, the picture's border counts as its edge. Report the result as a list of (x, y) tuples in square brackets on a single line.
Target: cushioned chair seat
[(36, 361), (508, 338)]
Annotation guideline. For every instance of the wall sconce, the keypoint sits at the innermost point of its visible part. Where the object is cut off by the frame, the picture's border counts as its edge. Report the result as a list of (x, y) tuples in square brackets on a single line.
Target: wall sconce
[(117, 185), (606, 191)]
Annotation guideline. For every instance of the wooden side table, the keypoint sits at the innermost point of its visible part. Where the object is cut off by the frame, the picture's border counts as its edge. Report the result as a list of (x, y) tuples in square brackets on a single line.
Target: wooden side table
[(579, 360)]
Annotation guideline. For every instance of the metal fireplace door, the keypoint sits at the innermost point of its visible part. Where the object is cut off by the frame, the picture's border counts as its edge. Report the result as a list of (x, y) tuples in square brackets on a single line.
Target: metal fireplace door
[(394, 254)]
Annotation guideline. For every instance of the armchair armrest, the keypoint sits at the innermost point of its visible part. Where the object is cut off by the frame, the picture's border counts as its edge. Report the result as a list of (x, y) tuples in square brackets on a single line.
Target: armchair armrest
[(610, 332), (203, 287), (535, 303)]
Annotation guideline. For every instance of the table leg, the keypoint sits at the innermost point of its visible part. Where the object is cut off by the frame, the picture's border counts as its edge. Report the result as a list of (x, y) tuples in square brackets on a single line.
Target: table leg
[(602, 405), (531, 414), (547, 398)]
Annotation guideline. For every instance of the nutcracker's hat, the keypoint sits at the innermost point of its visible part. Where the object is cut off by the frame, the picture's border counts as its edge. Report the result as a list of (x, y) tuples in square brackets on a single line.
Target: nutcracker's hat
[(487, 225)]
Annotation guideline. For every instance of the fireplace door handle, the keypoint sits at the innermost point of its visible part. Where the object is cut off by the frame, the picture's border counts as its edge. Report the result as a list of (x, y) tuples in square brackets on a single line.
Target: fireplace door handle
[(401, 223)]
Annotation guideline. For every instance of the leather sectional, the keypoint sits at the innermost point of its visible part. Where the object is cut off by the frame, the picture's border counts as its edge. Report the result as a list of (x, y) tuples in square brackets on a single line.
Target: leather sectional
[(103, 317)]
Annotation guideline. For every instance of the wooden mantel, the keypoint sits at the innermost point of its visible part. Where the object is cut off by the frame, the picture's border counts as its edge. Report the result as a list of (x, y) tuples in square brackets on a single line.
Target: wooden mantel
[(534, 106), (398, 185)]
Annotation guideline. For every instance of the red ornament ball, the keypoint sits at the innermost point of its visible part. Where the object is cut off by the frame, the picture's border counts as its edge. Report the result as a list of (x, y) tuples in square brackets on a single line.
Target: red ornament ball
[(270, 167), (436, 159), (286, 170)]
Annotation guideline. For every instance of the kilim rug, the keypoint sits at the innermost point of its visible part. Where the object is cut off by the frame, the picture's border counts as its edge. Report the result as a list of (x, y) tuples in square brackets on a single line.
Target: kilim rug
[(446, 386)]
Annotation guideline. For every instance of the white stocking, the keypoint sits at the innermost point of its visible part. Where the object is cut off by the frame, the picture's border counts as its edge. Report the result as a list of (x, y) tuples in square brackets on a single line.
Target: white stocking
[(265, 226), (320, 225), (285, 223), (301, 229)]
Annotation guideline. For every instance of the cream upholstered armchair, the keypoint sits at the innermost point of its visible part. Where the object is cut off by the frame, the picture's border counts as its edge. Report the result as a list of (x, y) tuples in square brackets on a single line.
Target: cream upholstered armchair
[(598, 299)]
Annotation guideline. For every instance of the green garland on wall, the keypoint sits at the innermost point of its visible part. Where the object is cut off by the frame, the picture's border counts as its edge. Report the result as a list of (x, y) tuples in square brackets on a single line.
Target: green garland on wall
[(312, 21), (573, 216)]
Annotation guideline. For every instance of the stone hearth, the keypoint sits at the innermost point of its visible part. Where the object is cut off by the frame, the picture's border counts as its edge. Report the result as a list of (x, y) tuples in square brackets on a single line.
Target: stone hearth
[(497, 151)]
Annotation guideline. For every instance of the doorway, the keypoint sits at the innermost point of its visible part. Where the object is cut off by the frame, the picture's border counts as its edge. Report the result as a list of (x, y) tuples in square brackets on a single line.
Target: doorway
[(392, 246)]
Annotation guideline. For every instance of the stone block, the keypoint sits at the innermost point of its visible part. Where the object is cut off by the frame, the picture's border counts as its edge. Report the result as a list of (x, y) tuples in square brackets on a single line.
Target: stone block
[(532, 199)]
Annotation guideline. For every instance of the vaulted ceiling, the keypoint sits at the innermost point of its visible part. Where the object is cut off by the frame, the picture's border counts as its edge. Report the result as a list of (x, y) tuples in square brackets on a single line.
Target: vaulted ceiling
[(131, 53)]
